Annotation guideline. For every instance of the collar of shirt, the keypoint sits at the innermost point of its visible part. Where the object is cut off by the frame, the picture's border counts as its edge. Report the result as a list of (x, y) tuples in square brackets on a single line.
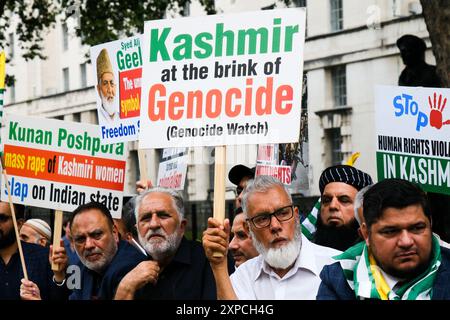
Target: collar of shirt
[(305, 260), (390, 280), (107, 116)]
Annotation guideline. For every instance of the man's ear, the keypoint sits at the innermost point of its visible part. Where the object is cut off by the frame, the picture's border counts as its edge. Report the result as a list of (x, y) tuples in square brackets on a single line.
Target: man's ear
[(365, 232), (183, 224), (115, 233)]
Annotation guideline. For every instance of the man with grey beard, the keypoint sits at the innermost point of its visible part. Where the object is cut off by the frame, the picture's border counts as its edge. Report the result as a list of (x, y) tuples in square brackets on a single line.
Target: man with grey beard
[(288, 266), (178, 268), (105, 259)]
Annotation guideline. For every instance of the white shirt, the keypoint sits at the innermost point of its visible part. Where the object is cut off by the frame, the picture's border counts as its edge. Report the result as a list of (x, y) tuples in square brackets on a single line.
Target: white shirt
[(255, 279), (106, 117)]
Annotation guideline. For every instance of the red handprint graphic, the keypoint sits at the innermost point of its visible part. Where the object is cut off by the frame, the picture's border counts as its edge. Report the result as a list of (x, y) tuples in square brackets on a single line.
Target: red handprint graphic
[(436, 111)]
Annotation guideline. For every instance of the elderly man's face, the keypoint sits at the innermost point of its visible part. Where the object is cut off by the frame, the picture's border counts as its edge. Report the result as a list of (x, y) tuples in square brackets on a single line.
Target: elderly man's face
[(401, 241), (159, 226), (278, 233), (94, 239), (28, 234), (337, 204), (107, 86)]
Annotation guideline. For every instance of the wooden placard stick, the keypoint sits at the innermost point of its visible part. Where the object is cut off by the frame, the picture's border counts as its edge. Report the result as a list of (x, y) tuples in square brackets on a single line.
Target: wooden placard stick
[(219, 186), (57, 228), (13, 214), (143, 171)]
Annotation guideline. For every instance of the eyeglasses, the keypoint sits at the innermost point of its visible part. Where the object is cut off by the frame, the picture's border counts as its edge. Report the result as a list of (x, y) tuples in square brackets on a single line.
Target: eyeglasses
[(264, 220), (4, 218)]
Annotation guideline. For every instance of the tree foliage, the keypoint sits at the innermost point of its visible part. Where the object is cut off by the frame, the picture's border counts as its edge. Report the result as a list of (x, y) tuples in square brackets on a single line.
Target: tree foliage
[(437, 18), (33, 18), (99, 21), (103, 21)]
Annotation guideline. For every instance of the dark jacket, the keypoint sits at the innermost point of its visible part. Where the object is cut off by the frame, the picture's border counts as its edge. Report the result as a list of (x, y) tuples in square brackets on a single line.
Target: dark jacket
[(126, 258), (38, 269), (334, 285), (188, 276)]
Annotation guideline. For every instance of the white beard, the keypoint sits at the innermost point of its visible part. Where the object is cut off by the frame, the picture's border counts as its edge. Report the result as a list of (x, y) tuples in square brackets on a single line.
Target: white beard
[(109, 106), (160, 249), (282, 257)]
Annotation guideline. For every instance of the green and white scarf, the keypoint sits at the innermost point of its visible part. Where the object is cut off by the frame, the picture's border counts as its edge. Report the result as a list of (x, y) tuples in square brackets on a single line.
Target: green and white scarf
[(364, 277), (309, 224)]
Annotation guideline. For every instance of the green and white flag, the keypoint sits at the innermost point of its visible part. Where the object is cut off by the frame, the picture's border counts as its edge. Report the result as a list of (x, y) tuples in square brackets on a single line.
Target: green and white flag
[(309, 224)]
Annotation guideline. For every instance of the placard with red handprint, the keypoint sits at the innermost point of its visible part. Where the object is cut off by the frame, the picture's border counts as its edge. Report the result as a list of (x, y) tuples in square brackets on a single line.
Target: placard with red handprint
[(413, 135), (437, 107)]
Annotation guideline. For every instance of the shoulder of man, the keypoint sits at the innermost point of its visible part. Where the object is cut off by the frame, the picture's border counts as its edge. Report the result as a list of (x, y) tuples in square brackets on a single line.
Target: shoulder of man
[(334, 285), (127, 255), (126, 258)]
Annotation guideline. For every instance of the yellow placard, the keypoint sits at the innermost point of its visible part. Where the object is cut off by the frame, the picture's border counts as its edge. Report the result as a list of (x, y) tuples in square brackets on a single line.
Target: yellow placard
[(2, 69)]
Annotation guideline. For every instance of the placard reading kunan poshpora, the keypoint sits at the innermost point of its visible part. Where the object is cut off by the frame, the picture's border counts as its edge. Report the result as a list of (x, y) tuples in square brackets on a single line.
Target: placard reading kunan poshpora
[(60, 165), (222, 79), (413, 135), (117, 67)]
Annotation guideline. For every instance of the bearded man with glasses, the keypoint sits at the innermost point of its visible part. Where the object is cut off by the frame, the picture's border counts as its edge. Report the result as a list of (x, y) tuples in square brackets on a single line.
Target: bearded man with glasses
[(288, 266)]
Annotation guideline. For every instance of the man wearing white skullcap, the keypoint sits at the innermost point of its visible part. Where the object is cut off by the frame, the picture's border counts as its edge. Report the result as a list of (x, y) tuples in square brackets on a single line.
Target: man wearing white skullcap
[(36, 231)]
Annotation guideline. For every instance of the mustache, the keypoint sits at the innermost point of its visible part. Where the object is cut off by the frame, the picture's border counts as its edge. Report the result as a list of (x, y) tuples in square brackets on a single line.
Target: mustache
[(151, 233), (92, 251)]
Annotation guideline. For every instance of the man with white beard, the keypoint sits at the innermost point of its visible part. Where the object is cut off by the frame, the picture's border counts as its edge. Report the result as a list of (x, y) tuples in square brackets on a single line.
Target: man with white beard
[(105, 259), (106, 88), (288, 266), (179, 268)]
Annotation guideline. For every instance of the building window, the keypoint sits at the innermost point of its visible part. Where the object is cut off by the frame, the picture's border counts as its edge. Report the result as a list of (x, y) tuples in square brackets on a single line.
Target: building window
[(12, 90), (11, 45), (334, 142), (83, 75), (66, 79), (339, 83), (76, 117), (65, 37), (299, 3), (187, 9), (337, 21)]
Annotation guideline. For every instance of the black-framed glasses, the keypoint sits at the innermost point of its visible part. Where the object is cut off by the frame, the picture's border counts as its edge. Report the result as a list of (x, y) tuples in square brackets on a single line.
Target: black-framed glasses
[(263, 220)]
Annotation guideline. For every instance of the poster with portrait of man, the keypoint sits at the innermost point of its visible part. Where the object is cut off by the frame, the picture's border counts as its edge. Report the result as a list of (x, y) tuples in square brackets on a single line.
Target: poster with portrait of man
[(118, 70)]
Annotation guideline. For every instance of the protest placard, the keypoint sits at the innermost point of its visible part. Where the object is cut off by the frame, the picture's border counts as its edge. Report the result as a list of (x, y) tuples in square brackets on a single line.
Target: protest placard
[(173, 168), (60, 165), (222, 79), (267, 163), (413, 135), (117, 67)]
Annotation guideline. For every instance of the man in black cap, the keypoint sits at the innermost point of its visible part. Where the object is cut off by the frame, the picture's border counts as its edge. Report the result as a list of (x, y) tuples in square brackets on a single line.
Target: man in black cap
[(241, 245), (417, 72), (336, 224), (239, 175)]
